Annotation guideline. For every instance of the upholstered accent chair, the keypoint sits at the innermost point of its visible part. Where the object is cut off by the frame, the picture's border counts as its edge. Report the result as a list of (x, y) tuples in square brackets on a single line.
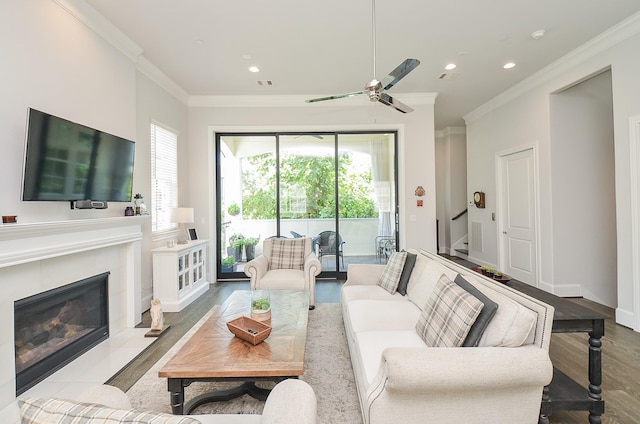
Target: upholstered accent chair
[(285, 263)]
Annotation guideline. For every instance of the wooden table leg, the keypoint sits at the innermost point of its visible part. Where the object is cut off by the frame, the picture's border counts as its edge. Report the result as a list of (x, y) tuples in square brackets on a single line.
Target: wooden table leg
[(595, 370), (176, 395)]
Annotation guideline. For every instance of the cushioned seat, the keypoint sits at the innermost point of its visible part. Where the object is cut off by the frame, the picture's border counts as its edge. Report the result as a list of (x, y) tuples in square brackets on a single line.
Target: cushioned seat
[(285, 264)]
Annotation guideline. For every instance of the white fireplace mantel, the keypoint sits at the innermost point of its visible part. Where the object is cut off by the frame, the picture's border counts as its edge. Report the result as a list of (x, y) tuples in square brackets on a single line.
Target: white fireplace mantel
[(36, 257), (23, 243)]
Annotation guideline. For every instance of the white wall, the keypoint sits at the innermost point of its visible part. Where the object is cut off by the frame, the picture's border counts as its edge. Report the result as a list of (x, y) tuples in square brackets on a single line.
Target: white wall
[(583, 195), (520, 117), (416, 149), (54, 63), (451, 180), (154, 104)]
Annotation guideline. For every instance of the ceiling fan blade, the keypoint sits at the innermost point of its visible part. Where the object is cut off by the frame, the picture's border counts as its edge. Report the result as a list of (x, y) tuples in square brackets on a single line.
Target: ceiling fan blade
[(400, 72), (396, 104), (337, 96)]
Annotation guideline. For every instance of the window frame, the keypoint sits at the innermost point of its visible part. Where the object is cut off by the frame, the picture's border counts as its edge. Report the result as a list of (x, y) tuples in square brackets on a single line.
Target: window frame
[(163, 202)]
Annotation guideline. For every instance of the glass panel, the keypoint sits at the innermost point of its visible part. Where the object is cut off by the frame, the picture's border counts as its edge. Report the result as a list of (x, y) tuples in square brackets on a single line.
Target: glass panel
[(247, 197), (285, 185), (366, 192), (307, 190)]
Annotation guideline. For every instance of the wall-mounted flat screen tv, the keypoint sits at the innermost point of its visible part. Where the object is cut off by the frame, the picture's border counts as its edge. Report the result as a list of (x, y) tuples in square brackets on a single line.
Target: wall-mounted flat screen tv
[(66, 161)]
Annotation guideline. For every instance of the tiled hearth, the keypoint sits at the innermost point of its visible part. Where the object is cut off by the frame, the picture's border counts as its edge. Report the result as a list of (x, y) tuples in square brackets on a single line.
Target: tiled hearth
[(41, 256)]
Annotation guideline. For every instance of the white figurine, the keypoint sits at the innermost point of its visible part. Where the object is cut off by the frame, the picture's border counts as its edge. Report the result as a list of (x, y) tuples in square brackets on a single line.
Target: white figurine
[(157, 319)]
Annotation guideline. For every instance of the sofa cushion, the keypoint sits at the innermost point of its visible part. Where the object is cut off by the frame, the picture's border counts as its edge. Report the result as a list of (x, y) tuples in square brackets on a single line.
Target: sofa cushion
[(52, 411), (371, 344), (369, 292), (291, 279), (448, 315), (373, 315), (487, 313), (409, 263), (513, 324), (287, 253), (391, 275), (424, 277)]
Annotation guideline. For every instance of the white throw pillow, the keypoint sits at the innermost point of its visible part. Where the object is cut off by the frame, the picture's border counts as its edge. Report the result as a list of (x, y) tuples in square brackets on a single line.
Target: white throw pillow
[(426, 273)]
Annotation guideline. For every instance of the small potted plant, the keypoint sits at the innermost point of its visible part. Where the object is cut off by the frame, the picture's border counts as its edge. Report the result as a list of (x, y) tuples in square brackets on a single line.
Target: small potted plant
[(233, 209), (250, 247), (260, 305), (237, 243), (228, 264)]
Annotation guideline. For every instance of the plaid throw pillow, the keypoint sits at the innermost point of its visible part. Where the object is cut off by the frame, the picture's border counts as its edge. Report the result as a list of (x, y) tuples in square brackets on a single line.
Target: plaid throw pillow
[(392, 272), (287, 253), (38, 411), (448, 315)]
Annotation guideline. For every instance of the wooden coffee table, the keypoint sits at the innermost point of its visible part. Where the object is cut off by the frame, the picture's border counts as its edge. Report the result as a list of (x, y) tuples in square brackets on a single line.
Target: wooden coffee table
[(213, 353)]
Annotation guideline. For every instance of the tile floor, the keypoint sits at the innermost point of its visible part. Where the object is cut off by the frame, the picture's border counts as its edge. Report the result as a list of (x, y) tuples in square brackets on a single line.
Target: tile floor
[(95, 366)]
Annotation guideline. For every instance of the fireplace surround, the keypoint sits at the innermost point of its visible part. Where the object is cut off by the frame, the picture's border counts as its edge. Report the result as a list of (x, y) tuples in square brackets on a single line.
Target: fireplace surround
[(37, 257), (54, 327)]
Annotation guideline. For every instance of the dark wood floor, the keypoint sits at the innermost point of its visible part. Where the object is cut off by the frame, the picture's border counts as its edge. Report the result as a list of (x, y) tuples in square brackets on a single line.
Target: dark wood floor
[(620, 347)]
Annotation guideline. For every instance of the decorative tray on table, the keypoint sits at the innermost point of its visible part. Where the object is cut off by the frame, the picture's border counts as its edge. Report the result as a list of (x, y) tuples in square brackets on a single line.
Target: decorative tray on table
[(502, 278), (249, 330)]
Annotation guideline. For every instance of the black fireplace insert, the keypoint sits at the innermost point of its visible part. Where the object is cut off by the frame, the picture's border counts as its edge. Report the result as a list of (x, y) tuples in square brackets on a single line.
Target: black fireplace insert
[(55, 327)]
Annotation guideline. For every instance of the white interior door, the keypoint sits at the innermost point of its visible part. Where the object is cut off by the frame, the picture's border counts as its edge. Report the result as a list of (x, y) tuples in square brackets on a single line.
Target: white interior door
[(518, 223)]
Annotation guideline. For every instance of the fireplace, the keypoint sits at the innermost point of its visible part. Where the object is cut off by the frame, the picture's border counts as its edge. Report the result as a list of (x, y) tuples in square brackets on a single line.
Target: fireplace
[(54, 327)]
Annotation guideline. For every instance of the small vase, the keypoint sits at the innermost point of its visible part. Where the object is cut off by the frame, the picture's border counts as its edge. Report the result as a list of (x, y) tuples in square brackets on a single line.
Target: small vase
[(260, 305)]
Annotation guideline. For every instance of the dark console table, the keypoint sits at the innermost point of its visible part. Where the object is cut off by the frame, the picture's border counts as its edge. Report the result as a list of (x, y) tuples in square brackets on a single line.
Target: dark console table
[(564, 394)]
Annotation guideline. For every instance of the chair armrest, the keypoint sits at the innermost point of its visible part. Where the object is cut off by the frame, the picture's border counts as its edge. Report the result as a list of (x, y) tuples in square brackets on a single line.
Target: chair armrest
[(360, 274), (290, 402), (256, 268), (312, 266), (411, 369)]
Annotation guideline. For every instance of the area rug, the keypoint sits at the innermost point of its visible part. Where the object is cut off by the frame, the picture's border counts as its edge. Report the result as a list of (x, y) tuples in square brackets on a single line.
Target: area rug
[(327, 369)]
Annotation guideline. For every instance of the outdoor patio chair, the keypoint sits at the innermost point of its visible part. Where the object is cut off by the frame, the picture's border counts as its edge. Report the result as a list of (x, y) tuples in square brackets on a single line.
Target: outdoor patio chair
[(325, 244)]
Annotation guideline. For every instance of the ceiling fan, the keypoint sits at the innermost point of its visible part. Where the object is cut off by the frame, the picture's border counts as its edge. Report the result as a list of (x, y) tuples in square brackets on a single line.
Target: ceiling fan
[(375, 89)]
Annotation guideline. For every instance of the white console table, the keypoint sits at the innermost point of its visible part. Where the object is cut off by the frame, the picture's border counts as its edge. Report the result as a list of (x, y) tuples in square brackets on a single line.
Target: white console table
[(179, 274)]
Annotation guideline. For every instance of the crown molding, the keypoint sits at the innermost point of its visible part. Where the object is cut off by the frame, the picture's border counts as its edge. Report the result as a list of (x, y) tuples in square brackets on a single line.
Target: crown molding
[(299, 100), (609, 38), (156, 75), (101, 26)]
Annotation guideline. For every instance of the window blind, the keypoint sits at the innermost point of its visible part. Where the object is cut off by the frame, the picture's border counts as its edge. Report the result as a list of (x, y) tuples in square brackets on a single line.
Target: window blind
[(164, 176)]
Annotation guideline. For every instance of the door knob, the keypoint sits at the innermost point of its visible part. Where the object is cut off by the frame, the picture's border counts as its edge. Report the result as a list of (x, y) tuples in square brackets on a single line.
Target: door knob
[(504, 232)]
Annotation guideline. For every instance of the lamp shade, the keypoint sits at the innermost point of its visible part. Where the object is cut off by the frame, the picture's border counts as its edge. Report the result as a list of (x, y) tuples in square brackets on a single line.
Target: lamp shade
[(182, 215)]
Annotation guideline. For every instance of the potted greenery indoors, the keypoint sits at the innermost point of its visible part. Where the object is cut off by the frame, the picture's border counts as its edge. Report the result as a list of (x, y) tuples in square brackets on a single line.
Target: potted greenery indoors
[(228, 264), (250, 247), (237, 243), (233, 209)]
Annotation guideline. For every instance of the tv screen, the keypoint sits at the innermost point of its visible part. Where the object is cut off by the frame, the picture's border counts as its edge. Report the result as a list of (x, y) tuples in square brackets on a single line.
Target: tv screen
[(66, 161)]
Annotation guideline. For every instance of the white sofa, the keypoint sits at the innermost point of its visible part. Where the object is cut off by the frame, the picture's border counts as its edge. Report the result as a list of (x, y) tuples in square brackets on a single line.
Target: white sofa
[(400, 379), (290, 402), (295, 269)]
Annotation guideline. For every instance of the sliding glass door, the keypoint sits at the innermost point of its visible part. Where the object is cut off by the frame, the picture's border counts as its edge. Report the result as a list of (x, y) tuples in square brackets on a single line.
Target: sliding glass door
[(336, 188)]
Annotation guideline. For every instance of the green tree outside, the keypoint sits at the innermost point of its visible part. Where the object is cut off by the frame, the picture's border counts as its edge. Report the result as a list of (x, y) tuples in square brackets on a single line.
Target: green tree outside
[(308, 189)]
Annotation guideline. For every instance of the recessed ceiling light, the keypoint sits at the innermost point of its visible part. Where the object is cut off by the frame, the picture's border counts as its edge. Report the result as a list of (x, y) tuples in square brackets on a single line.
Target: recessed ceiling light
[(254, 69), (509, 65), (450, 66), (536, 35)]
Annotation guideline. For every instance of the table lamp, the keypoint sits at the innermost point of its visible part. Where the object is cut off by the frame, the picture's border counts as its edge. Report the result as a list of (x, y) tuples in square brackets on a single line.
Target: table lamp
[(182, 216)]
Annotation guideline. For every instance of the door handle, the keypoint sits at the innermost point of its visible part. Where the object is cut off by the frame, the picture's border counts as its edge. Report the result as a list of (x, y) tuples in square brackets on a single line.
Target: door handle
[(504, 232)]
